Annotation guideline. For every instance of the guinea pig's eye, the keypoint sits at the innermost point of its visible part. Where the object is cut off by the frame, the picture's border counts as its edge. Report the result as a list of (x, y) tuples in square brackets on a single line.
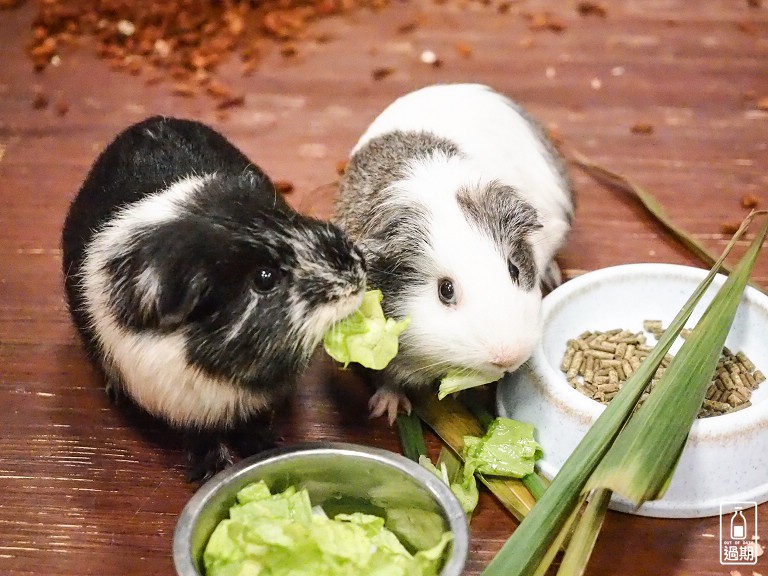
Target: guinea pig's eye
[(265, 279), (514, 272), (446, 291)]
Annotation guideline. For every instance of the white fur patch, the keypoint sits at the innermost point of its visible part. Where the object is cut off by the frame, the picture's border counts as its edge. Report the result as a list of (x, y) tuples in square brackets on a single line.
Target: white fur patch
[(154, 369), (501, 143), (494, 324)]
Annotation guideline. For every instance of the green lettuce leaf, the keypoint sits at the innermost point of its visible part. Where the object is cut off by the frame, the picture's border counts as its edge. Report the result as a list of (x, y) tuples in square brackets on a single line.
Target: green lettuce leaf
[(461, 380), (463, 484), (366, 336), (278, 535), (507, 449)]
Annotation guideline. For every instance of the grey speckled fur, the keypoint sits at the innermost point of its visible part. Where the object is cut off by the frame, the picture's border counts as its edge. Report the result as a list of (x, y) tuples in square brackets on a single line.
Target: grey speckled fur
[(393, 239)]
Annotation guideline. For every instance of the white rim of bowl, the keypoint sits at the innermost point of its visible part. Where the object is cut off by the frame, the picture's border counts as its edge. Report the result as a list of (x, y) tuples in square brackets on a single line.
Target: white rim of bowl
[(556, 386)]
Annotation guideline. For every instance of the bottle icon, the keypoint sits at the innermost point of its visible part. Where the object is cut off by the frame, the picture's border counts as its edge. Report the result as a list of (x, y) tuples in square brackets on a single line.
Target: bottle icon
[(738, 525)]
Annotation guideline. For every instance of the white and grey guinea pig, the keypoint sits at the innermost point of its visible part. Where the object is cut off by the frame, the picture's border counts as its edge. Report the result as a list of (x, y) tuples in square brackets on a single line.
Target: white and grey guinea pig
[(460, 203), (196, 288)]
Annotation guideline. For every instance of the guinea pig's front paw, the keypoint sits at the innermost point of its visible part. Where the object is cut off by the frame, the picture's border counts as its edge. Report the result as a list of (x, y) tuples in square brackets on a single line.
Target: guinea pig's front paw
[(389, 402), (204, 463)]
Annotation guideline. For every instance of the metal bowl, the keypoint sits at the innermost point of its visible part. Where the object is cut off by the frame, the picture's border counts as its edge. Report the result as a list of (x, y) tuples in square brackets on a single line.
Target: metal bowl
[(339, 477)]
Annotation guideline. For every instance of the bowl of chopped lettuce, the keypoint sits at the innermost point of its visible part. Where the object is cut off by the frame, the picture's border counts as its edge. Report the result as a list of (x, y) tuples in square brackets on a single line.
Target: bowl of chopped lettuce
[(597, 329), (322, 509)]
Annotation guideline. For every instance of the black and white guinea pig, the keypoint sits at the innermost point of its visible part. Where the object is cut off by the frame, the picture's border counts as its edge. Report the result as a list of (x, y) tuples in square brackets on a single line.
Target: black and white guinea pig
[(196, 288), (460, 203)]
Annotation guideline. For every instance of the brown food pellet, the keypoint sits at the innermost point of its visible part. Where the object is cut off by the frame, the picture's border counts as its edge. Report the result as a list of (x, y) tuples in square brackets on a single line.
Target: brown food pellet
[(407, 28), (40, 99), (185, 90), (62, 107), (750, 201), (598, 368), (641, 128), (231, 102), (464, 49), (177, 39), (382, 72), (544, 21), (289, 50), (591, 9), (218, 89), (729, 228)]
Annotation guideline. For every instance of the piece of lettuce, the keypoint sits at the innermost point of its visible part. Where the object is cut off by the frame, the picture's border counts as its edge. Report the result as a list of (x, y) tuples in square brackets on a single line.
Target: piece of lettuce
[(279, 535), (507, 449), (458, 380), (366, 336), (462, 482)]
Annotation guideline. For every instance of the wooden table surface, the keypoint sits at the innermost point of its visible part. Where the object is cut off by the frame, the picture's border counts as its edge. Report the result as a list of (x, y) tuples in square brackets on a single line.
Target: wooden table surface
[(90, 488)]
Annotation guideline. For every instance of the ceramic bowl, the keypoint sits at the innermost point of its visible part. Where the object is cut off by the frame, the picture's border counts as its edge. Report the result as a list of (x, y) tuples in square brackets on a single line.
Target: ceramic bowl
[(339, 477), (725, 460)]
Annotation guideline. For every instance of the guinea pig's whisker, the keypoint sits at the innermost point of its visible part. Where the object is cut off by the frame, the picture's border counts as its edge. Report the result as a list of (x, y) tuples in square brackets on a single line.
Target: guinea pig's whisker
[(438, 364)]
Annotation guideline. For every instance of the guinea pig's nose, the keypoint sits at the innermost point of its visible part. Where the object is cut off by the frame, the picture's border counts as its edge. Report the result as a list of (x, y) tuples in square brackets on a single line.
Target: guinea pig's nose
[(504, 358)]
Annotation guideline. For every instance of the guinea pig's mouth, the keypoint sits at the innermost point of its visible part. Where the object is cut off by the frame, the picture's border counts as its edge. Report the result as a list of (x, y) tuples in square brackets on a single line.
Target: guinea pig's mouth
[(489, 372), (333, 312), (348, 305)]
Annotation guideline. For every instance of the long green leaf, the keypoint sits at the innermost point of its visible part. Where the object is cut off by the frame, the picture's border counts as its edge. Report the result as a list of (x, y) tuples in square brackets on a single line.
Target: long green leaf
[(585, 535), (643, 458), (527, 546), (411, 436), (649, 202), (561, 540), (654, 207)]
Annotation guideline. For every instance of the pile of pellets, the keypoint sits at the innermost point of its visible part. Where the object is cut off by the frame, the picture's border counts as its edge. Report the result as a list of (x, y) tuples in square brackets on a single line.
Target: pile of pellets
[(181, 40), (598, 363)]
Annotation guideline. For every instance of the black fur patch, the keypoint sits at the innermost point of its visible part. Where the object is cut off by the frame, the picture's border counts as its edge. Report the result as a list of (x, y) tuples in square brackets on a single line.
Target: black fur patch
[(200, 264)]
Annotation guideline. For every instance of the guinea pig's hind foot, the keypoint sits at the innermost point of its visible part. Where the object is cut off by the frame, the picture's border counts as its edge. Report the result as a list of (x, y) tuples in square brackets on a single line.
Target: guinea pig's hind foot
[(206, 456), (390, 402), (253, 438)]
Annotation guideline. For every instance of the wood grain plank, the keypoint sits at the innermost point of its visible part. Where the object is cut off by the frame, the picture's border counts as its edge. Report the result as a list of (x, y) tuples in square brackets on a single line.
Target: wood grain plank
[(87, 487)]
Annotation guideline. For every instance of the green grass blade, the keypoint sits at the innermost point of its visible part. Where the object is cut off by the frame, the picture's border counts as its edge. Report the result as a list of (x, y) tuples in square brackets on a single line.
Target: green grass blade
[(561, 540), (641, 462), (649, 202), (654, 207), (538, 530), (536, 484), (585, 535), (411, 436)]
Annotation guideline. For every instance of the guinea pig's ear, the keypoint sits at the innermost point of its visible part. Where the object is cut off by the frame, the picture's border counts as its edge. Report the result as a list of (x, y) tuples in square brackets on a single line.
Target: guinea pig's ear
[(178, 299), (146, 295)]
